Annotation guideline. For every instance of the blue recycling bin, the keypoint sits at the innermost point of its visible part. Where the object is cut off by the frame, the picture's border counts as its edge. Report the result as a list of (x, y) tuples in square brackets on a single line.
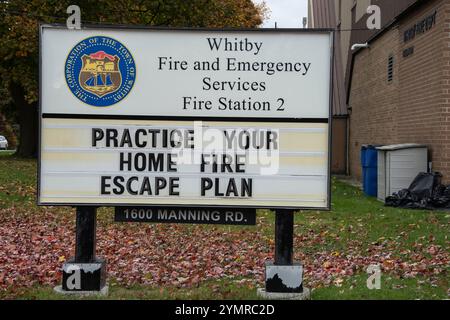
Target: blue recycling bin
[(369, 164)]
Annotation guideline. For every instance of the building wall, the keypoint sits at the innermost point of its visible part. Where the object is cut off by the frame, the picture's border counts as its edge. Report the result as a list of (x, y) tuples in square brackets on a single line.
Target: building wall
[(422, 104), (373, 100), (361, 8), (339, 145), (346, 23), (390, 9), (415, 106), (322, 14), (445, 89)]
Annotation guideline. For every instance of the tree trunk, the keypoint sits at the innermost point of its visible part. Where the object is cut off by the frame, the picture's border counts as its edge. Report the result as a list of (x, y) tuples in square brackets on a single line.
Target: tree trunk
[(28, 121)]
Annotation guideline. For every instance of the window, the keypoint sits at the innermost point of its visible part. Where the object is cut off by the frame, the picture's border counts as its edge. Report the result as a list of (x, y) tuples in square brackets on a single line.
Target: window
[(390, 68)]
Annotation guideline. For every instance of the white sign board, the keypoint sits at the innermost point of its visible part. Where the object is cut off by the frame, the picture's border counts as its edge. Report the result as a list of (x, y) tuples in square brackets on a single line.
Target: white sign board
[(185, 117)]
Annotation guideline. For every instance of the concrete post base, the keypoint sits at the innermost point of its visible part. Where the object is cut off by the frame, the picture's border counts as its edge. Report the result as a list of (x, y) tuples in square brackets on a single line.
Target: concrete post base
[(78, 276), (305, 295), (103, 292)]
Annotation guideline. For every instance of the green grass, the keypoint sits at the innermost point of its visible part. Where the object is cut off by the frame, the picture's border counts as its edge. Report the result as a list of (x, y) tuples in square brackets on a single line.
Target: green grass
[(357, 217), (356, 221), (353, 289), (17, 180), (391, 289), (223, 290)]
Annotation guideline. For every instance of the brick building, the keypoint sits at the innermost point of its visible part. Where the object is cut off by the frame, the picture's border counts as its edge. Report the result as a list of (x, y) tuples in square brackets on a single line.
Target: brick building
[(323, 15), (397, 89)]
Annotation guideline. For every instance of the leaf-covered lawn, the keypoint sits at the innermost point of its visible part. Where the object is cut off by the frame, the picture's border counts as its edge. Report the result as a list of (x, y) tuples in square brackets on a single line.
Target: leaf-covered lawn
[(147, 261)]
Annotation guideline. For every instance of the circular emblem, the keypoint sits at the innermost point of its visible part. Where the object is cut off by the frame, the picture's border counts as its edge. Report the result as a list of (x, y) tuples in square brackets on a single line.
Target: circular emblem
[(100, 71)]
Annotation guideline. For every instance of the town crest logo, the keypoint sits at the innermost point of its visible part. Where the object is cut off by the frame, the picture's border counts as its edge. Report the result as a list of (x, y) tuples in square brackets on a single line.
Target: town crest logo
[(100, 71)]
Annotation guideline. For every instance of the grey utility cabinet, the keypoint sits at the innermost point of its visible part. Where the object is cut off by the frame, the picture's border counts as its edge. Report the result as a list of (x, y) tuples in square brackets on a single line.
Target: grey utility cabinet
[(398, 165)]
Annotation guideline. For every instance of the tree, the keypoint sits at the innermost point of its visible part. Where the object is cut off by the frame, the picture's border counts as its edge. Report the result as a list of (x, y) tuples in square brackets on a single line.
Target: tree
[(19, 38)]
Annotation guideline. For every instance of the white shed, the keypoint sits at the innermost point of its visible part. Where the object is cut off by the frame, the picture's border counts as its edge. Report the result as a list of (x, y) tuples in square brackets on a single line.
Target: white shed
[(398, 165)]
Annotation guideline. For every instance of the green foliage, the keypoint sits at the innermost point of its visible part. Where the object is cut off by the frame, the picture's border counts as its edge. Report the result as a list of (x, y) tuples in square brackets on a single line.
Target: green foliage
[(19, 21)]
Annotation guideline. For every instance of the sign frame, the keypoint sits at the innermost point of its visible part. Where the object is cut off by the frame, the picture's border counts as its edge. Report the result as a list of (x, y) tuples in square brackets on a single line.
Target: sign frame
[(328, 121)]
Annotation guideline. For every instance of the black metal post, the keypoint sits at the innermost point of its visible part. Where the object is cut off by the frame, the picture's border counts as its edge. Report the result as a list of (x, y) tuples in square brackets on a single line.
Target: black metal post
[(283, 275), (85, 234), (284, 237), (85, 272)]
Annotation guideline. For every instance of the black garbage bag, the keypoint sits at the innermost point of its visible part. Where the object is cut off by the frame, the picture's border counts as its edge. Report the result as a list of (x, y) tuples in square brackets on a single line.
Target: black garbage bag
[(398, 199), (424, 184), (425, 192), (442, 197)]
